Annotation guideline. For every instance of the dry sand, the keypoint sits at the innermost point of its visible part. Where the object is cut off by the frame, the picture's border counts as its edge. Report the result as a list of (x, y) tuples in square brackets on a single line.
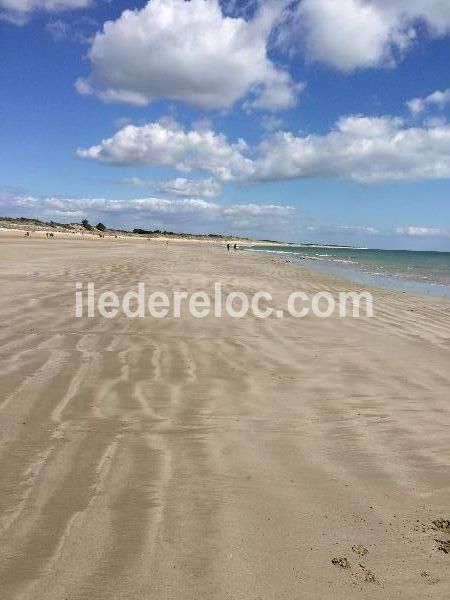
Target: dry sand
[(216, 459)]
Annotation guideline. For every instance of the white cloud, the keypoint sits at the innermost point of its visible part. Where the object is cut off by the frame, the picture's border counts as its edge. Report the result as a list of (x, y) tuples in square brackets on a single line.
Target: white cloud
[(422, 231), (416, 106), (358, 229), (180, 186), (438, 99), (278, 92), (137, 182), (364, 149), (271, 122), (345, 34), (18, 11), (205, 188), (258, 210), (59, 30), (350, 34), (190, 52), (166, 143), (102, 205), (190, 214), (352, 230)]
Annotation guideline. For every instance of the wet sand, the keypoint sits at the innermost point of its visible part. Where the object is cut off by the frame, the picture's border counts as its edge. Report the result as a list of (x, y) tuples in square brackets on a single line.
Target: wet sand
[(216, 458)]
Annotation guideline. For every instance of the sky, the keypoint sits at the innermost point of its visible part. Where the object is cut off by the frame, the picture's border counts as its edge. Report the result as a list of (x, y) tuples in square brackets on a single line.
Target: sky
[(295, 120)]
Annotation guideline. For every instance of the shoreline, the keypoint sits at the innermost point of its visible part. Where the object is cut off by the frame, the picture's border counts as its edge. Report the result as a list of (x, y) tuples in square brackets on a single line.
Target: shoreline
[(361, 277), (385, 282)]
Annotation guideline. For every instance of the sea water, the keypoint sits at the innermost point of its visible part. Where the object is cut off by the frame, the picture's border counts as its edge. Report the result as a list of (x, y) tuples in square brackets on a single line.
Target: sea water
[(421, 272)]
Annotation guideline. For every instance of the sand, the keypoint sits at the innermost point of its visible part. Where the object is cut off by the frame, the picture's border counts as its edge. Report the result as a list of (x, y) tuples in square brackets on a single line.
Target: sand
[(216, 458)]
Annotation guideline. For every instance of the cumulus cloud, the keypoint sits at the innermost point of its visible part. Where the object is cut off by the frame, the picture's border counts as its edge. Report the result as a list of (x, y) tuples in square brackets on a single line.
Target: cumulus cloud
[(190, 52), (363, 149), (192, 214), (345, 34), (166, 143), (18, 11), (352, 34), (438, 99)]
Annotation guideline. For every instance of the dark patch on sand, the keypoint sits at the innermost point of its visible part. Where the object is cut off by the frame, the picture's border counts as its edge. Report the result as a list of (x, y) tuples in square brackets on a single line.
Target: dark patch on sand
[(443, 546), (360, 550), (369, 576), (441, 524), (341, 562)]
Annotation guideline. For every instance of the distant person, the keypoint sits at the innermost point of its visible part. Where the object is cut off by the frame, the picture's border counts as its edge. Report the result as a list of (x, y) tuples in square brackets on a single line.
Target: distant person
[(235, 247), (228, 247)]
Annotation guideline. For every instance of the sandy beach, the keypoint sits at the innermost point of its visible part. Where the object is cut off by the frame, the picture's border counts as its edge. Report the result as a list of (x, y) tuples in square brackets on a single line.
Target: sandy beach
[(213, 458)]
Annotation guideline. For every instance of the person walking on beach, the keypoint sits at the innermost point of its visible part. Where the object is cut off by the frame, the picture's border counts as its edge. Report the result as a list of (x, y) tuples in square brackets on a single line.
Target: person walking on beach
[(235, 247), (228, 247)]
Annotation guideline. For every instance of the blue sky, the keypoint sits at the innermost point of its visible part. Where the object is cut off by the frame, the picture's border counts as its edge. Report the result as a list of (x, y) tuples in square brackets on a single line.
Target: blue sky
[(280, 120)]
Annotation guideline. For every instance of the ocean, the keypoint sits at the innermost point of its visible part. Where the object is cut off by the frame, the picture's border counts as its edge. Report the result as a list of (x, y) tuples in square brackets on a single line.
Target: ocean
[(420, 272)]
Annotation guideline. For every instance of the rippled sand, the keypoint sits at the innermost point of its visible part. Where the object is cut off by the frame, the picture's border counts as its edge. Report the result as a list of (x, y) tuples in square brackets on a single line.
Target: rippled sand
[(216, 459)]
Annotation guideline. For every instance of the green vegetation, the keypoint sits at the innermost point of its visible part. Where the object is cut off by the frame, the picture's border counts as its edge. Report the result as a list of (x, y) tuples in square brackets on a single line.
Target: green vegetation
[(86, 225)]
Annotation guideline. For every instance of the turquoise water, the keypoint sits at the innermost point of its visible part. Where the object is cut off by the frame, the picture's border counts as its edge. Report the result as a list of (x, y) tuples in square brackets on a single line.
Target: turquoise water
[(423, 272)]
